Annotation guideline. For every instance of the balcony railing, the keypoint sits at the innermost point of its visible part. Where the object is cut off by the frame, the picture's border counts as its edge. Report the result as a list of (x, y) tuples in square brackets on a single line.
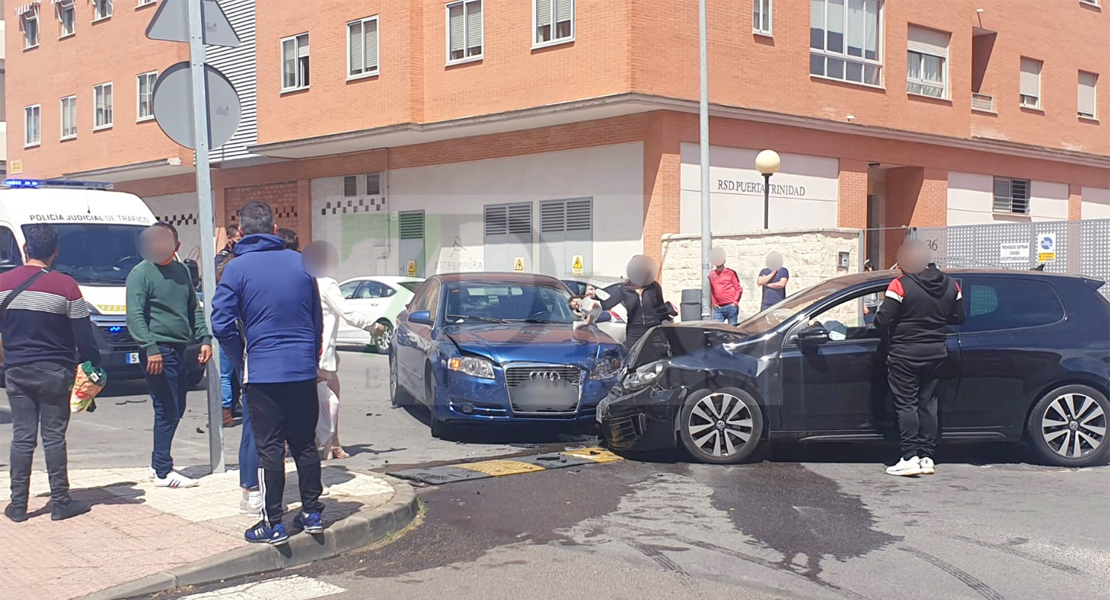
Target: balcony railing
[(982, 102)]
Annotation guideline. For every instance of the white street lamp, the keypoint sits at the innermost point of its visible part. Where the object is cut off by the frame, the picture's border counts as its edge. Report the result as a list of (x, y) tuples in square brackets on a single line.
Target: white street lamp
[(767, 163)]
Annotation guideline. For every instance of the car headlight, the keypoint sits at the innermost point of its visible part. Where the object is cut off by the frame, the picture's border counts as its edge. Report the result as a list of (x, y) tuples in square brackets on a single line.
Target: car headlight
[(645, 375), (608, 366), (471, 365)]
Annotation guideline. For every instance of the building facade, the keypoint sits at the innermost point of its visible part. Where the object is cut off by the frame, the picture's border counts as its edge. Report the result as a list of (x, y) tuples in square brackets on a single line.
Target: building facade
[(560, 136)]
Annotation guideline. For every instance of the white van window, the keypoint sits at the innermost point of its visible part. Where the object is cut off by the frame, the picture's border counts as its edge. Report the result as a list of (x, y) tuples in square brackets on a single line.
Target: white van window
[(10, 257), (97, 254)]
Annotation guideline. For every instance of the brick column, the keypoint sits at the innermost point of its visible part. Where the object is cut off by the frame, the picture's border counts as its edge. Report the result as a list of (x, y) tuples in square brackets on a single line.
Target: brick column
[(931, 208), (1075, 202), (851, 206), (662, 187), (304, 211)]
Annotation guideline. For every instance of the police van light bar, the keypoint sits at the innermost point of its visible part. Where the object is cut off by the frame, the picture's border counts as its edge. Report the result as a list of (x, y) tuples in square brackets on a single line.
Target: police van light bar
[(56, 183)]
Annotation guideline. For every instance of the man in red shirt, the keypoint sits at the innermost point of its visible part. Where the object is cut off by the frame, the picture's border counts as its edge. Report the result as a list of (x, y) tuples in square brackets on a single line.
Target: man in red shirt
[(725, 288)]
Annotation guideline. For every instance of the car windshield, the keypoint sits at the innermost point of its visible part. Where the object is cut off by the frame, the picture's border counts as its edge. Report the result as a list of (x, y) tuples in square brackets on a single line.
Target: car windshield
[(97, 254), (769, 319), (412, 286), (478, 302)]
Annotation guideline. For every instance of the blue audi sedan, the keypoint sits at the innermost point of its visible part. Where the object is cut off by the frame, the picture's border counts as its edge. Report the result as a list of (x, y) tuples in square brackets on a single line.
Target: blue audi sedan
[(491, 348)]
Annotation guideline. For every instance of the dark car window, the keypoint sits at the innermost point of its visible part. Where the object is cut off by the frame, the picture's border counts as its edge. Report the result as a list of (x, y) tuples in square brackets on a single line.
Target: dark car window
[(994, 304), (348, 289), (412, 286), (374, 289), (420, 300), (576, 287), (9, 250)]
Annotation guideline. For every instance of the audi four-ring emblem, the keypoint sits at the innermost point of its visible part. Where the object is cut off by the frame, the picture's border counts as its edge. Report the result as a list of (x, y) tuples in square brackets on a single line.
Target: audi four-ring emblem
[(545, 375)]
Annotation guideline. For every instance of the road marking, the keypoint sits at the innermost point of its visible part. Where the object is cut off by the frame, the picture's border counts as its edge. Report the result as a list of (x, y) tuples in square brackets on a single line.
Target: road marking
[(507, 466), (499, 468), (294, 587)]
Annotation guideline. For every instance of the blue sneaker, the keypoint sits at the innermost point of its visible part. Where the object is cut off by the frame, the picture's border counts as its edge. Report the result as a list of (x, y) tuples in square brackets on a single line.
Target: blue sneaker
[(309, 522), (264, 534)]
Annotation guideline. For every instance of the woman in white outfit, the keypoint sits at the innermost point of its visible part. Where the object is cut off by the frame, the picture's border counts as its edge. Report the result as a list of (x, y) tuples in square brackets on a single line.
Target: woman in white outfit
[(319, 259)]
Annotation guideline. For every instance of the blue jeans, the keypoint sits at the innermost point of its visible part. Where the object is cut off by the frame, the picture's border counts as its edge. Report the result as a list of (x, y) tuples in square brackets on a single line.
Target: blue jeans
[(228, 383), (167, 395), (248, 451), (727, 313)]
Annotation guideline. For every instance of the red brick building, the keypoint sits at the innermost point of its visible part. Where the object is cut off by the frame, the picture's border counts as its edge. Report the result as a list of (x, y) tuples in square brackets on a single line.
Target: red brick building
[(436, 132)]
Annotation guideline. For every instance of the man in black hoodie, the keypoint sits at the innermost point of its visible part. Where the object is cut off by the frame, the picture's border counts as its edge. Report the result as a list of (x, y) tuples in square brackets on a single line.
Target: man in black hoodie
[(916, 311)]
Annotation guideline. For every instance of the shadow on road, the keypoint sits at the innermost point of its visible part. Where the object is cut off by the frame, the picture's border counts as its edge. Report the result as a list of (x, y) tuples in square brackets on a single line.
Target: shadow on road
[(519, 435)]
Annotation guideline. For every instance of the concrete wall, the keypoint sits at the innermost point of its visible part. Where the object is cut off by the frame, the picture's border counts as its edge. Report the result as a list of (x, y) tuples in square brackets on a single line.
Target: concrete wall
[(971, 201), (809, 254), (1096, 203), (179, 210)]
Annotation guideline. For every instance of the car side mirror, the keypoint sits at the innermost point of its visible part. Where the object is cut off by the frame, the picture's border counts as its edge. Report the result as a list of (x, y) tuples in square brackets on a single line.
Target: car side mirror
[(813, 335), (194, 270), (421, 317)]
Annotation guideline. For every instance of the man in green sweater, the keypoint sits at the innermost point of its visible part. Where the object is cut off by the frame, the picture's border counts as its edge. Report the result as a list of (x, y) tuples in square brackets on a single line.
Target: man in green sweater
[(164, 317)]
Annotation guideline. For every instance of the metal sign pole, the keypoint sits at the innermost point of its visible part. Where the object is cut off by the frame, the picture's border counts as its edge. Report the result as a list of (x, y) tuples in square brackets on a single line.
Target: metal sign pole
[(207, 228), (706, 233)]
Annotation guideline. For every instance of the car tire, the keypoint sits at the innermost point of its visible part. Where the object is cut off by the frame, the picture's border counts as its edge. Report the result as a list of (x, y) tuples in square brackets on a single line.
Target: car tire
[(711, 423), (387, 338), (398, 396), (441, 429), (1068, 427)]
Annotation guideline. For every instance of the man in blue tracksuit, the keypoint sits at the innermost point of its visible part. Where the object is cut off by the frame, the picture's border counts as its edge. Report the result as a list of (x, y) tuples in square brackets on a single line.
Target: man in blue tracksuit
[(267, 303)]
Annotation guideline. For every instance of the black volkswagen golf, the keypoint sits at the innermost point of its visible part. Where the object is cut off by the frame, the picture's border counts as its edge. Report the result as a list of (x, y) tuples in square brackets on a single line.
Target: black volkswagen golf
[(1032, 363)]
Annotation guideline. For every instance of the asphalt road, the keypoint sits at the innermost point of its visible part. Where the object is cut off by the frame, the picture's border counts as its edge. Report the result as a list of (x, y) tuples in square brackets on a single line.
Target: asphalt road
[(807, 522)]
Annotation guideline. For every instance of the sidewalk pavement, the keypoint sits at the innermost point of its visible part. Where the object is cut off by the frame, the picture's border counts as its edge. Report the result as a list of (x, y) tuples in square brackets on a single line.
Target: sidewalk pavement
[(141, 539)]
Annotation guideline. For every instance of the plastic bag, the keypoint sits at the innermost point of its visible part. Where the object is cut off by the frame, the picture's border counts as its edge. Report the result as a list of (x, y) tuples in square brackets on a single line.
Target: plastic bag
[(87, 383), (329, 407)]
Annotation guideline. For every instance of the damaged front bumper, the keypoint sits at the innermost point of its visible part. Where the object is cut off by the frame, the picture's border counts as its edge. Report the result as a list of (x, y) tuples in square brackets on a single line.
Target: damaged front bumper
[(640, 420)]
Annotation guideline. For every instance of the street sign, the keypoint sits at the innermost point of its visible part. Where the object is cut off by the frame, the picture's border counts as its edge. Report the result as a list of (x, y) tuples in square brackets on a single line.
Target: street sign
[(576, 265), (1046, 248), (171, 24), (518, 264), (1014, 253), (173, 106), (411, 268)]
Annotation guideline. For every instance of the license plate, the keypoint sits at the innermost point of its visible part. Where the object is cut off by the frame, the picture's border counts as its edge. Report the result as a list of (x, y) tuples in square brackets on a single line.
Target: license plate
[(132, 358)]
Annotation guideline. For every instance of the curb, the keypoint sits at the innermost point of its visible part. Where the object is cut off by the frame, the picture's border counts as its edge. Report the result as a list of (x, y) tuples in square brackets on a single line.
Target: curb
[(355, 532)]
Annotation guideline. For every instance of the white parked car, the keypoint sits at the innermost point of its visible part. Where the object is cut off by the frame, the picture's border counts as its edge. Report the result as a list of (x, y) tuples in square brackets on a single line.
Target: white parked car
[(379, 298)]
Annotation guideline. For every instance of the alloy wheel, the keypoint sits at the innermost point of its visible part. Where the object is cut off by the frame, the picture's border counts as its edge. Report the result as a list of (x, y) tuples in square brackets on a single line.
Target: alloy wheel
[(1074, 425), (384, 342), (720, 425)]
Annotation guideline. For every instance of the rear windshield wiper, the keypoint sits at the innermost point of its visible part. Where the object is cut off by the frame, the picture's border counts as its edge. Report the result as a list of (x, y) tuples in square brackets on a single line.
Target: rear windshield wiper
[(477, 318)]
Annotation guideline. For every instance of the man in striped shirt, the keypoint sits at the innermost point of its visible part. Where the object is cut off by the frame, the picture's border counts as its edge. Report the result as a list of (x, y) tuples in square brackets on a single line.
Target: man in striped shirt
[(46, 334)]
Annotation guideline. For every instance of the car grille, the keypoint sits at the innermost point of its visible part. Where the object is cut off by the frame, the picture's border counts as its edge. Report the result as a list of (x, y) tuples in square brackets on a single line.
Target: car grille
[(626, 429), (119, 337), (514, 376)]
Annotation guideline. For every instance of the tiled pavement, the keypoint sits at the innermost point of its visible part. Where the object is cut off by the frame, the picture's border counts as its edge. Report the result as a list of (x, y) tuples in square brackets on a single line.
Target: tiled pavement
[(136, 529)]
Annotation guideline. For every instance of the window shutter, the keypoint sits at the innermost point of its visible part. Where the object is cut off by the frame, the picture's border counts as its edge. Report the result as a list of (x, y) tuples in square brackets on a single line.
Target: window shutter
[(1030, 77), (355, 41), (564, 10), (1001, 194), (1019, 196), (350, 186), (543, 13), (473, 24), (1088, 82), (456, 24), (553, 217), (580, 215), (496, 220), (411, 225), (370, 34), (373, 184), (520, 219), (302, 51), (928, 41)]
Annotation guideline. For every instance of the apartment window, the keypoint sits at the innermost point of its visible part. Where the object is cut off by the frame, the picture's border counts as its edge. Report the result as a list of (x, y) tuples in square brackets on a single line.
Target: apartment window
[(1088, 95), (1011, 196), (144, 89), (1089, 2), (67, 17), (464, 31), (102, 104), (29, 23), (362, 47), (32, 126), (350, 186), (69, 117), (373, 184), (102, 9), (927, 62), (844, 40), (554, 21), (146, 2), (761, 17), (1030, 82), (294, 63)]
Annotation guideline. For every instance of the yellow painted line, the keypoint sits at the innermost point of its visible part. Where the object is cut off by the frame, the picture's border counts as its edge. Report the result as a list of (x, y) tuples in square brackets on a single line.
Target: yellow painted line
[(500, 467), (598, 455)]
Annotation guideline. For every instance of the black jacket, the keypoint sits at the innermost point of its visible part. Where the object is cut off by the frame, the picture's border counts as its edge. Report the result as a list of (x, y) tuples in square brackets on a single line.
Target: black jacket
[(645, 310), (916, 312)]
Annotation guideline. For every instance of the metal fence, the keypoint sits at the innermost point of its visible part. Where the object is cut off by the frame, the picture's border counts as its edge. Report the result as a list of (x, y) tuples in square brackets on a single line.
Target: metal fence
[(1075, 247)]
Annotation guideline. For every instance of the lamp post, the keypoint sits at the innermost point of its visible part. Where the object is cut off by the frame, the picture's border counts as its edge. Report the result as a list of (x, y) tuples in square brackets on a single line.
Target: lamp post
[(703, 118), (767, 163)]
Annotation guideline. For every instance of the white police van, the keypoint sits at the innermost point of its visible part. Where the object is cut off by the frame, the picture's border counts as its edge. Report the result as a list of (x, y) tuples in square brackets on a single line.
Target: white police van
[(98, 245)]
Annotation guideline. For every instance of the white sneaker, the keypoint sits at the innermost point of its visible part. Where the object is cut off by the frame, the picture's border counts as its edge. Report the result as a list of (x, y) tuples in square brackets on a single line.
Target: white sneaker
[(152, 474), (251, 503), (928, 467), (175, 480), (905, 468)]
